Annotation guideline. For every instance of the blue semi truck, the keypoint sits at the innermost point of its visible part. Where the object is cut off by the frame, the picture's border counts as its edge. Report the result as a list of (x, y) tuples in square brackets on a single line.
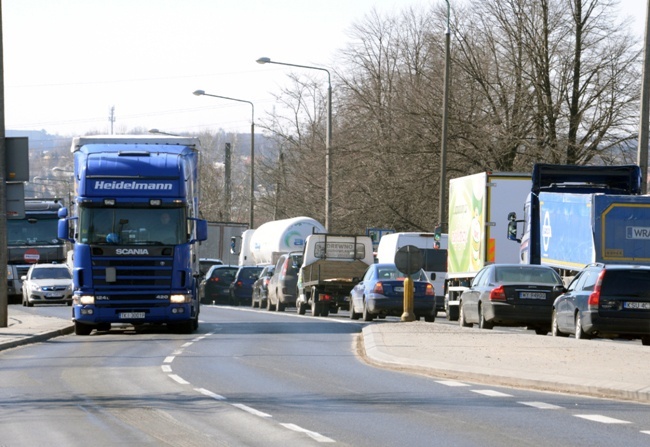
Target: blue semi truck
[(135, 229), (577, 215)]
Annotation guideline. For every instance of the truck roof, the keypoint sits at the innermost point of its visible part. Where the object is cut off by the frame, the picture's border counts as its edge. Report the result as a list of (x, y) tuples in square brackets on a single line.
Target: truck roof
[(624, 179), (145, 140)]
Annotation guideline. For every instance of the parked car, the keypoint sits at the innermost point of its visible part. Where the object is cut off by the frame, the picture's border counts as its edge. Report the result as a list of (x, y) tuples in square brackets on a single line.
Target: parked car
[(47, 284), (511, 295), (381, 293), (205, 264), (609, 301), (260, 287), (283, 284), (215, 287), (241, 288)]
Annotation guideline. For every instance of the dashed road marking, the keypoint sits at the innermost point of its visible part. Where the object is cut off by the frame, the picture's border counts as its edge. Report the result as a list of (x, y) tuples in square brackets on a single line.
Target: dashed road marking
[(451, 383), (492, 393), (312, 434), (169, 359), (166, 368), (602, 419), (210, 394), (252, 410), (542, 405), (179, 379)]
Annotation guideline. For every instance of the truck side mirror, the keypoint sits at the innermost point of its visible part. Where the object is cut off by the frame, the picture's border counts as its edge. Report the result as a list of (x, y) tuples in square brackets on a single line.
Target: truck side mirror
[(233, 246), (512, 227)]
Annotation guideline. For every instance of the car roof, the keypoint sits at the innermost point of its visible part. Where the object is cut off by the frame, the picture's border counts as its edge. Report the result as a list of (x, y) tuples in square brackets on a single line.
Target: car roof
[(40, 266), (619, 266)]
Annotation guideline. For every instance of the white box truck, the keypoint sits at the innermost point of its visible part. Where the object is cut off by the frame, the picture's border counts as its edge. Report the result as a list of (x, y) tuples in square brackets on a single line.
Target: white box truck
[(478, 222), (435, 259)]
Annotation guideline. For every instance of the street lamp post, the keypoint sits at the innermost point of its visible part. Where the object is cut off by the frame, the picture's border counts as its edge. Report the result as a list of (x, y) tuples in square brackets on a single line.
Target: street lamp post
[(328, 138), (252, 197), (442, 203)]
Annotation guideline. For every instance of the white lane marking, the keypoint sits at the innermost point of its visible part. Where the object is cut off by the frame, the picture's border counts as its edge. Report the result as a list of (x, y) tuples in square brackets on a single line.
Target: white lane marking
[(189, 343), (542, 405), (491, 393), (645, 432), (601, 418), (451, 383), (177, 352), (252, 410), (166, 368), (312, 434), (169, 359), (210, 394), (179, 379)]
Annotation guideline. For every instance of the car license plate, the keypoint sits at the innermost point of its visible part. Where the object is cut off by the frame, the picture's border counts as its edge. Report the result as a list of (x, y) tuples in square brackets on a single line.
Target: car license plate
[(53, 295), (398, 289), (636, 305), (532, 295), (131, 315)]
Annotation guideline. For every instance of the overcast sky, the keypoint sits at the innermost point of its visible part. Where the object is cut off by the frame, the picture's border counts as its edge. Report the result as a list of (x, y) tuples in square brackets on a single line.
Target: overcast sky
[(67, 62)]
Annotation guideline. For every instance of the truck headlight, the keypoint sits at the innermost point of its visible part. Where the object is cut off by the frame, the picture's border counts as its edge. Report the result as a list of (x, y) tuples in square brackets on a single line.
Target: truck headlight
[(180, 299), (85, 299), (10, 273)]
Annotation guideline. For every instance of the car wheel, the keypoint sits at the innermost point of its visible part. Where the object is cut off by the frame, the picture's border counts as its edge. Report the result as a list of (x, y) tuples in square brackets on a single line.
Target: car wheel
[(279, 307), (430, 318), (555, 330), (367, 316), (301, 308), (579, 333), (269, 304), (253, 300), (541, 331), (645, 340), (461, 317), (482, 322), (353, 314)]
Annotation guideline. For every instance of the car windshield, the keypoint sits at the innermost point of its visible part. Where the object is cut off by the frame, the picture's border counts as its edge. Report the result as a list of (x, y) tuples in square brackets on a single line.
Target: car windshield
[(526, 275), (133, 226), (51, 273)]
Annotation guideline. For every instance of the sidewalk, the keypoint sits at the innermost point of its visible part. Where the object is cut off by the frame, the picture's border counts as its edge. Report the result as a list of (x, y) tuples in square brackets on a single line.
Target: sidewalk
[(599, 368), (602, 368), (24, 328)]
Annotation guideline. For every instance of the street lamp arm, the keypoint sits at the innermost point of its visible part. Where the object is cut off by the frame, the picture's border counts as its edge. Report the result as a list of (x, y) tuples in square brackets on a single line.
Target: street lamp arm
[(266, 60), (203, 93)]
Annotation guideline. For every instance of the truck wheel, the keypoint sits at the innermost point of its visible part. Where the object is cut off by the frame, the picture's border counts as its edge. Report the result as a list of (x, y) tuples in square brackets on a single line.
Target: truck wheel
[(315, 309), (367, 316), (82, 329), (324, 310), (300, 308)]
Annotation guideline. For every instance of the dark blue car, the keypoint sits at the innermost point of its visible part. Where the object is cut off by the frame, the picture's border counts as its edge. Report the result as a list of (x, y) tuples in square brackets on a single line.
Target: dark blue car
[(381, 293), (241, 289)]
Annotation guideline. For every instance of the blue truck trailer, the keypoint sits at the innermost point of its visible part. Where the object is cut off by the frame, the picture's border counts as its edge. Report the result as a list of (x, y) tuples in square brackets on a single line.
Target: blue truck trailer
[(577, 215), (135, 227)]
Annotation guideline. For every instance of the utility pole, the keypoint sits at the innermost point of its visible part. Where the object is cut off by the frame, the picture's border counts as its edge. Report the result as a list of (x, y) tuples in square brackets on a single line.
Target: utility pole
[(228, 181), (4, 299), (111, 118), (642, 148)]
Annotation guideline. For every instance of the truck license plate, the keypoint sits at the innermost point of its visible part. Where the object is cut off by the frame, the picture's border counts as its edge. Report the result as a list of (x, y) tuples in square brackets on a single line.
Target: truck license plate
[(131, 315), (636, 305), (532, 295)]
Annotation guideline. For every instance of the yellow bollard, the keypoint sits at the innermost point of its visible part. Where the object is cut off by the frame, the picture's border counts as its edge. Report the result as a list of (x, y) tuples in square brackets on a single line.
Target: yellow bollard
[(408, 314)]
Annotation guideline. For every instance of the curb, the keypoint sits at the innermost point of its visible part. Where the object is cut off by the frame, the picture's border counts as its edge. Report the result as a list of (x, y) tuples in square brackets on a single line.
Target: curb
[(36, 338)]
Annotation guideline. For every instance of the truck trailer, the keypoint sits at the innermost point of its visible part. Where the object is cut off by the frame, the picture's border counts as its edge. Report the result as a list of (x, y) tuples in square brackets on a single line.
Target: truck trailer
[(478, 210), (578, 215), (135, 229)]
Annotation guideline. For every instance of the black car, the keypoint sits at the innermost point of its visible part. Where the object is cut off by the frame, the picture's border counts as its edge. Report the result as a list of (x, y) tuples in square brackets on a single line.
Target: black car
[(205, 264), (260, 287), (241, 288), (215, 287), (609, 301), (511, 295)]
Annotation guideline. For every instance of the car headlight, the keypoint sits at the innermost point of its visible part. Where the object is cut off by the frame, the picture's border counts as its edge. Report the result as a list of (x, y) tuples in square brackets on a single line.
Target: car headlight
[(36, 287), (10, 273)]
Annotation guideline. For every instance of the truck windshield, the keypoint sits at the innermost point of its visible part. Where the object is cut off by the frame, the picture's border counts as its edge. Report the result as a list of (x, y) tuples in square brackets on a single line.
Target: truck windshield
[(133, 226), (32, 231)]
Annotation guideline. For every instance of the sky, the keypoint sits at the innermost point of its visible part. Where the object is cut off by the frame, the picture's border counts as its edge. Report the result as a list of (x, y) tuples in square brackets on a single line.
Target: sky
[(67, 63)]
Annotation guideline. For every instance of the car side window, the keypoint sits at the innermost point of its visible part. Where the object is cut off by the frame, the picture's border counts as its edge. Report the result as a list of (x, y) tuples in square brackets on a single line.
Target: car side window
[(576, 282), (478, 278), (590, 281)]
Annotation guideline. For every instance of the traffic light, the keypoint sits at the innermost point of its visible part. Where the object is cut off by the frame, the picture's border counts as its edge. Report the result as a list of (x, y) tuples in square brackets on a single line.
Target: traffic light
[(437, 235)]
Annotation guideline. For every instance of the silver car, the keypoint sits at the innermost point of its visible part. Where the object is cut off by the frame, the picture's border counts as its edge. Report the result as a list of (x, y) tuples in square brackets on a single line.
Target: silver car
[(47, 284)]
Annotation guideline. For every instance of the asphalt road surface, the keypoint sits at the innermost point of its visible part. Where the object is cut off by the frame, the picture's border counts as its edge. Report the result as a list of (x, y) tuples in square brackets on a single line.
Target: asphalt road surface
[(258, 378)]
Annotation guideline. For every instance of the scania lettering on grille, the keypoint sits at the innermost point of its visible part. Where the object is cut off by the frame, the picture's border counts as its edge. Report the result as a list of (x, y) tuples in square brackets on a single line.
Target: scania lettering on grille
[(131, 251), (132, 185)]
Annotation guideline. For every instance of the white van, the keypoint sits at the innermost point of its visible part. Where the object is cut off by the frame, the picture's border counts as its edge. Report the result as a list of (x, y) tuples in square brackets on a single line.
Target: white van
[(435, 259)]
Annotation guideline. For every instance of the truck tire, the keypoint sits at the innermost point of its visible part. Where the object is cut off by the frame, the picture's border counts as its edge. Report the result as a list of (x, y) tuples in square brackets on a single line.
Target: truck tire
[(315, 305), (300, 307), (82, 329)]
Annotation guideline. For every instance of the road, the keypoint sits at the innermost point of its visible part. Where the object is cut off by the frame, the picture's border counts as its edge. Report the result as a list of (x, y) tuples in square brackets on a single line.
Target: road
[(251, 377)]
